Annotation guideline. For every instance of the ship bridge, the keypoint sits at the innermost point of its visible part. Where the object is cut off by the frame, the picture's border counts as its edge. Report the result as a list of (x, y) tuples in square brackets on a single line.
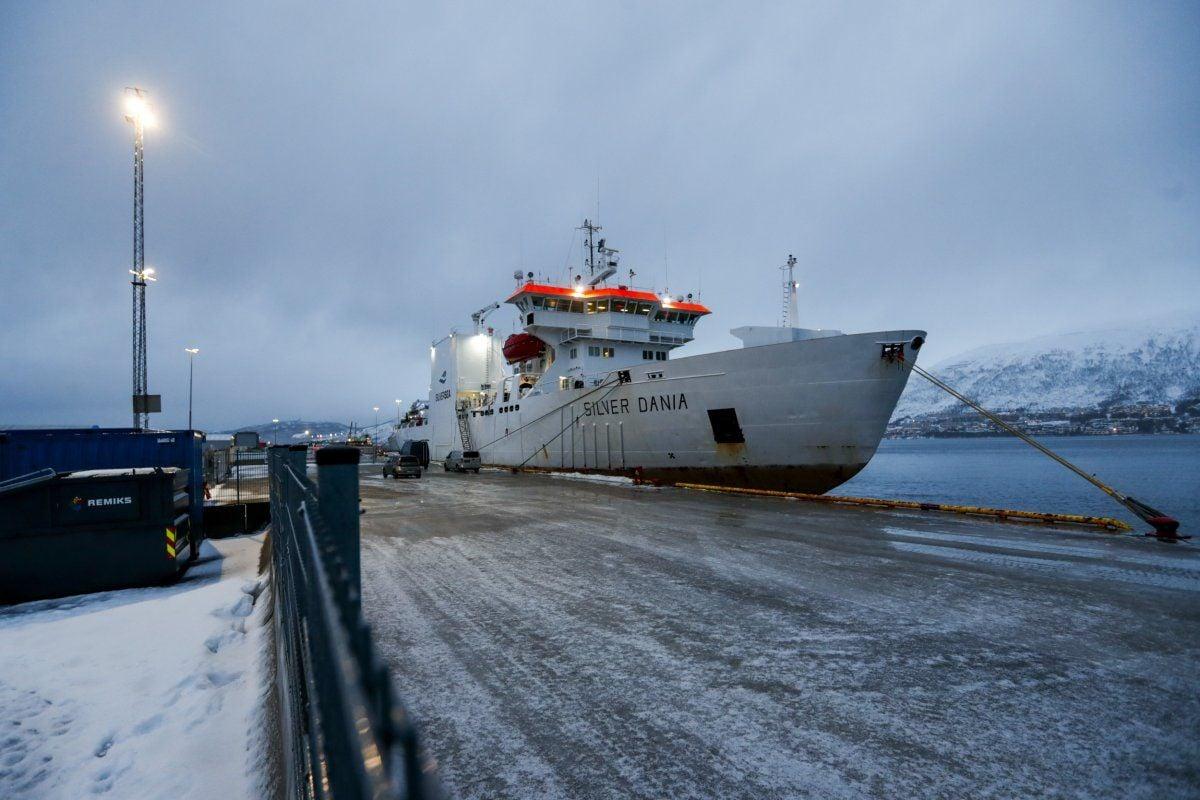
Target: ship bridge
[(620, 315)]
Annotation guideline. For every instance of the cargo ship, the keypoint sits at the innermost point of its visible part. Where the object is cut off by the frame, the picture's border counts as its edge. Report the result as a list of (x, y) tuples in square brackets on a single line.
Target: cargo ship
[(589, 384)]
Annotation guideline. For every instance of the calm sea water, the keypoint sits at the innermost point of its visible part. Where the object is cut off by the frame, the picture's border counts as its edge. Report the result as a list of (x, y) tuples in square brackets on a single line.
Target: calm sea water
[(1162, 471)]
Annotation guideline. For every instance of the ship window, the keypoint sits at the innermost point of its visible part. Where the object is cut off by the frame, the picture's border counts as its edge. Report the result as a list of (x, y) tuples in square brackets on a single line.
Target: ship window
[(593, 350), (631, 308), (644, 308), (576, 306), (574, 352), (618, 306), (725, 427), (648, 355), (607, 352), (552, 303), (601, 306), (660, 316), (529, 318), (517, 407), (661, 355), (537, 302), (564, 383), (590, 307)]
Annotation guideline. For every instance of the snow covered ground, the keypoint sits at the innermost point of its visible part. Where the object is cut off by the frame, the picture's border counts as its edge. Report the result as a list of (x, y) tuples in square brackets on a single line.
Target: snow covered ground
[(570, 639), (140, 693)]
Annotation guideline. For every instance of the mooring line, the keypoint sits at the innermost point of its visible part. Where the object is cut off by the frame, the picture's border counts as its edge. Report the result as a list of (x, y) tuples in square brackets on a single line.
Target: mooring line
[(1166, 528)]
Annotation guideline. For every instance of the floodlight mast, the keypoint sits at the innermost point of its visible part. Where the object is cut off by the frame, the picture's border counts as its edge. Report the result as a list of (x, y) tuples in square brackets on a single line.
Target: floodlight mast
[(135, 102)]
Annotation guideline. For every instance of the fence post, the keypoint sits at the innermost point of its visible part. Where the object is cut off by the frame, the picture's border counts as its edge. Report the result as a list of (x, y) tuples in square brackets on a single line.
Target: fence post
[(298, 459), (337, 495)]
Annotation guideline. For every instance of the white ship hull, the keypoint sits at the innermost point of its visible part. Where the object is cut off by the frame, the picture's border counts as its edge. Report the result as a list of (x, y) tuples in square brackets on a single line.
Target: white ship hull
[(811, 414)]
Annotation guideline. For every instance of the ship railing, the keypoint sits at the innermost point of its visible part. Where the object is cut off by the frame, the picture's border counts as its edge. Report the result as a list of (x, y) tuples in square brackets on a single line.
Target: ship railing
[(574, 333)]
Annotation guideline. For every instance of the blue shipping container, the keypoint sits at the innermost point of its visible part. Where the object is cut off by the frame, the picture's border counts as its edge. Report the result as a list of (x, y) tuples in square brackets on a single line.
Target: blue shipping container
[(70, 449)]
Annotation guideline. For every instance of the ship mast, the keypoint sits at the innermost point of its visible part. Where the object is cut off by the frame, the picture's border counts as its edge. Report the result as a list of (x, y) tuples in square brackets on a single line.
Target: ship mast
[(591, 245), (790, 314)]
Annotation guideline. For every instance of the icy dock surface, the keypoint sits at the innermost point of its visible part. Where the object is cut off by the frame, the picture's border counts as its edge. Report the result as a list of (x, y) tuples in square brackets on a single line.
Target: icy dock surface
[(558, 638), (140, 693)]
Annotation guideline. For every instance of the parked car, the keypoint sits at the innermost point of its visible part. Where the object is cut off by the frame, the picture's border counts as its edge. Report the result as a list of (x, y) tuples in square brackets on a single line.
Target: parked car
[(402, 467), (418, 448), (462, 461)]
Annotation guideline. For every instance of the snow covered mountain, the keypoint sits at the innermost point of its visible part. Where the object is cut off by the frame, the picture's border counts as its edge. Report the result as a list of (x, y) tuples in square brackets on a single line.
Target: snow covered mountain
[(1152, 362)]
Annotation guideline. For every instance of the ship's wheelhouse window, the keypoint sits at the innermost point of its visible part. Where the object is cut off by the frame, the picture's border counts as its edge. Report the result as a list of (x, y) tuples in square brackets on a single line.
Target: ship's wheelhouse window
[(631, 307), (593, 350), (552, 303), (607, 352), (537, 302), (576, 306), (601, 306), (660, 355), (590, 307), (644, 309), (618, 306)]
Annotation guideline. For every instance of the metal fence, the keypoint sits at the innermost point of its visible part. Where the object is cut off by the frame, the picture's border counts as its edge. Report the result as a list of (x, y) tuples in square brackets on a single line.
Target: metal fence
[(345, 733), (248, 474)]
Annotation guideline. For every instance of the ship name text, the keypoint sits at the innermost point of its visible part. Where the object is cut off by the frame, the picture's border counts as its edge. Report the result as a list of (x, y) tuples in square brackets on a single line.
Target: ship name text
[(642, 405)]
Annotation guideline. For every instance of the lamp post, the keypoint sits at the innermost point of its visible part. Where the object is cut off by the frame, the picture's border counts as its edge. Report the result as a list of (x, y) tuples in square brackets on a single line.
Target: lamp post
[(275, 432), (376, 419), (191, 351), (397, 413)]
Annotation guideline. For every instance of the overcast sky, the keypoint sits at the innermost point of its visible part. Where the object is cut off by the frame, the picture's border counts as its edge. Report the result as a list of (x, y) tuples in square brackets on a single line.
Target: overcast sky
[(332, 186)]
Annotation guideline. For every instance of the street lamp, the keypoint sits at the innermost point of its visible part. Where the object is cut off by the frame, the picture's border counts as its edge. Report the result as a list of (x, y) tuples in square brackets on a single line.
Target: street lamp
[(275, 432), (397, 413), (376, 419), (191, 351)]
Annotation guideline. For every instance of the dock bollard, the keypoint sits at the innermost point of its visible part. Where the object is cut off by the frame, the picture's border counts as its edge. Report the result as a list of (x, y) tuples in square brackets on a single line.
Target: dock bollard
[(337, 495)]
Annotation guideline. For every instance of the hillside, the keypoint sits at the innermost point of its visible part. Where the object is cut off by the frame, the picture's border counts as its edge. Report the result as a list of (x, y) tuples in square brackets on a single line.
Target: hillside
[(1157, 362)]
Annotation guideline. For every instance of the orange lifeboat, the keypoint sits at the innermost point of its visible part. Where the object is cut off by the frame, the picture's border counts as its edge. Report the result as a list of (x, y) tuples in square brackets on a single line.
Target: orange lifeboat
[(522, 347)]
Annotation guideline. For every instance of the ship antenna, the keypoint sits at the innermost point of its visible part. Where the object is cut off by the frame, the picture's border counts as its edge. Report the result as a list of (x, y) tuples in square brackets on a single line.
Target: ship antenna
[(790, 314)]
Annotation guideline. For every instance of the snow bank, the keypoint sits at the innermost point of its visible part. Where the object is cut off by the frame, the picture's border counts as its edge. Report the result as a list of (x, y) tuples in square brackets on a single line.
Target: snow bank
[(141, 693), (594, 478)]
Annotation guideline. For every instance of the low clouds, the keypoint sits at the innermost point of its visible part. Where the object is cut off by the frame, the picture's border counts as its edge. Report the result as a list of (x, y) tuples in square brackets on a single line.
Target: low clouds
[(331, 189)]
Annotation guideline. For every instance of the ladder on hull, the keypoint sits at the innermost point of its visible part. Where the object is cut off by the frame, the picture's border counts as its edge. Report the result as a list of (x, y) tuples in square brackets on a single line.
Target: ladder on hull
[(464, 427)]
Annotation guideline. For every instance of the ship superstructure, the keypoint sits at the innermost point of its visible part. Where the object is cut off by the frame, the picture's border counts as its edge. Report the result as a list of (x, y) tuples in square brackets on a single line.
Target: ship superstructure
[(589, 383)]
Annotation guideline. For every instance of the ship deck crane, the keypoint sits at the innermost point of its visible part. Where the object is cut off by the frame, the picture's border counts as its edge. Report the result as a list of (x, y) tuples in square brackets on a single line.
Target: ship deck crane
[(479, 316)]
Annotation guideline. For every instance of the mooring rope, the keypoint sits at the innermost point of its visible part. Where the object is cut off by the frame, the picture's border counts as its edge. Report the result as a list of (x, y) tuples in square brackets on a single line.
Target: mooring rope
[(574, 419), (603, 384), (1164, 525)]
